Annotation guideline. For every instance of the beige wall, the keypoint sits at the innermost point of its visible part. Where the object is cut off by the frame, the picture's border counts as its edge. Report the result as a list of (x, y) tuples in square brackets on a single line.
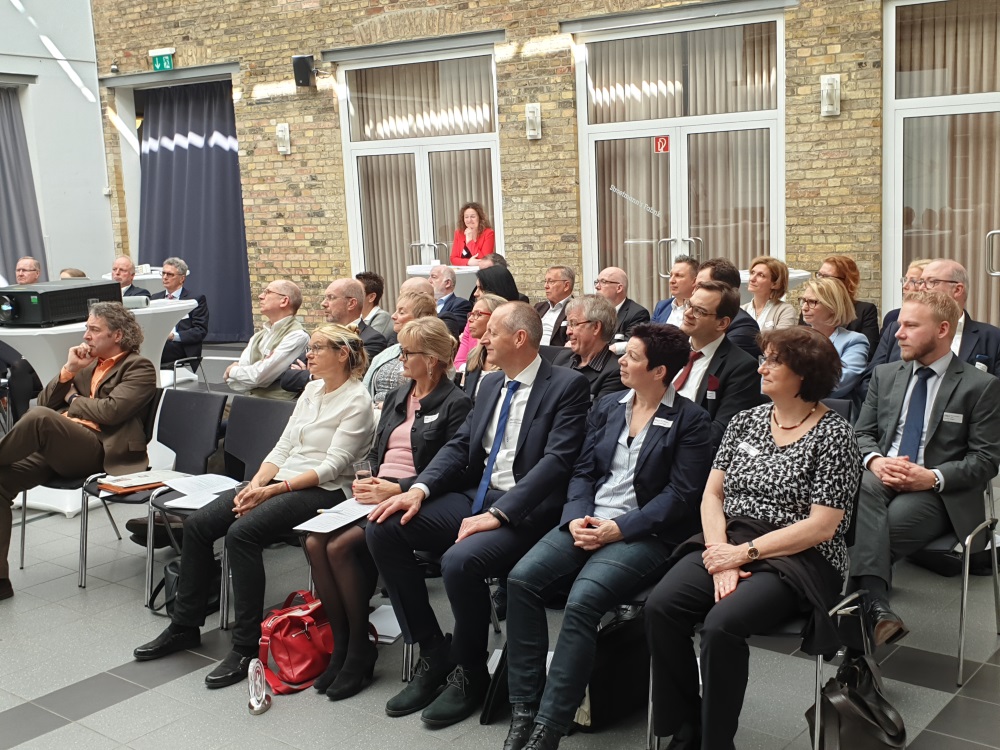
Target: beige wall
[(296, 206)]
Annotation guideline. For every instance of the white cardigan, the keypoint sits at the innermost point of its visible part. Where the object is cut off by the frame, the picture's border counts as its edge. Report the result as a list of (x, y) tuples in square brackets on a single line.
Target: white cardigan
[(327, 433)]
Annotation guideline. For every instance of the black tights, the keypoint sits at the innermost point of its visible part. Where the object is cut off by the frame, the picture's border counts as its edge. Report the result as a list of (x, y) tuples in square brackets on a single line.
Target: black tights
[(345, 577)]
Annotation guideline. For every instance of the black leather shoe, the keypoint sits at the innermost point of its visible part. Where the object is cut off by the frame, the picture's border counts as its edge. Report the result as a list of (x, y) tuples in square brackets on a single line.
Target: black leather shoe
[(166, 643), (500, 603), (522, 723), (887, 625), (6, 590), (543, 738), (231, 670), (463, 694), (326, 679), (356, 674), (428, 678)]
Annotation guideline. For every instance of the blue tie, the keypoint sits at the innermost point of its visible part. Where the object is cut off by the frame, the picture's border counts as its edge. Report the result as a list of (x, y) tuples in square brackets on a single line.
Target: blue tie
[(913, 427), (484, 485)]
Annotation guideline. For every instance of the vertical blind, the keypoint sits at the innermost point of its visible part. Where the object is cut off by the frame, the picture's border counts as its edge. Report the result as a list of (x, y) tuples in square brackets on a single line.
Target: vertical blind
[(20, 225), (458, 177)]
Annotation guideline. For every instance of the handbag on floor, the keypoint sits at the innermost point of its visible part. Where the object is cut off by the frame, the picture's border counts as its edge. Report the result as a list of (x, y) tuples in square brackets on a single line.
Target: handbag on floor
[(855, 712), (170, 581), (297, 640)]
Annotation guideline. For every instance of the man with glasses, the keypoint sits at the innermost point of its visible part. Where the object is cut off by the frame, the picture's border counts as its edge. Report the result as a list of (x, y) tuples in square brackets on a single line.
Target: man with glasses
[(590, 321), (186, 339), (612, 284), (719, 376), (975, 342), (742, 329), (342, 303), (559, 282), (683, 277), (273, 348), (451, 309)]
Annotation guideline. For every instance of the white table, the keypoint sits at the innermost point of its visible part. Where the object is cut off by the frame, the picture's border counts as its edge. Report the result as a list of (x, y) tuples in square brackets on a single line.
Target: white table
[(796, 277), (46, 348), (465, 277)]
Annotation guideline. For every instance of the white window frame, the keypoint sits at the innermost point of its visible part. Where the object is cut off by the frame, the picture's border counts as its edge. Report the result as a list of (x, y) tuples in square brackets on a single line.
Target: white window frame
[(896, 113), (590, 134), (353, 149)]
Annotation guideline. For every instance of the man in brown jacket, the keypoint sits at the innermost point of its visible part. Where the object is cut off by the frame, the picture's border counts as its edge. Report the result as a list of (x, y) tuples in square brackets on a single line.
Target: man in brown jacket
[(88, 419)]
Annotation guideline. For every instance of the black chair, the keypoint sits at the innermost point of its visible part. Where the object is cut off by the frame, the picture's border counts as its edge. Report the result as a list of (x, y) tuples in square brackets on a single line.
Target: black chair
[(88, 489), (255, 424), (840, 405)]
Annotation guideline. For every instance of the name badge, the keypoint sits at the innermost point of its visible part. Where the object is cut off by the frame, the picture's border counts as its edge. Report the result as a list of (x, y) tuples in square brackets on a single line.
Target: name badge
[(748, 449), (710, 395), (950, 417), (981, 366), (661, 422), (430, 418)]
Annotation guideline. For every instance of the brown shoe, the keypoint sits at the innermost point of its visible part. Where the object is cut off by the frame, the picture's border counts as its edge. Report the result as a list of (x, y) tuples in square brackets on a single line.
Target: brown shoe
[(6, 590), (887, 625)]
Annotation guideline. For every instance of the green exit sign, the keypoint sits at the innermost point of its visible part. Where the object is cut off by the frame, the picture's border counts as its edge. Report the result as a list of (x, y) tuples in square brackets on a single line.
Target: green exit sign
[(162, 59)]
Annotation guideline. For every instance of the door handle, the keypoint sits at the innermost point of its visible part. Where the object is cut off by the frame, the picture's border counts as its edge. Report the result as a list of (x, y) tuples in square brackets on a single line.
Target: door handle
[(990, 268), (695, 242), (657, 265)]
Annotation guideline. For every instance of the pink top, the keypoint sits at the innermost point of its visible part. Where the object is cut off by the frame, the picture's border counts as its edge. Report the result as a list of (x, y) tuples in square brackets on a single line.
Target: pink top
[(465, 345), (398, 460)]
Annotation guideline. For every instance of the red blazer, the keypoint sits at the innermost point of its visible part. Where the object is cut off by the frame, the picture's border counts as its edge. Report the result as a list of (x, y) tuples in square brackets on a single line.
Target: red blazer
[(482, 245)]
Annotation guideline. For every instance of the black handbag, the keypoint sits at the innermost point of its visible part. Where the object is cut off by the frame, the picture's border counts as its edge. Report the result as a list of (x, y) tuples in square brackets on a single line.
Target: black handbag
[(855, 712), (171, 580)]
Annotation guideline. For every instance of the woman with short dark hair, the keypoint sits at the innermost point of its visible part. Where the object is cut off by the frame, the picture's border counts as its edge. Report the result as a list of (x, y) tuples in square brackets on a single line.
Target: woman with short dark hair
[(774, 514)]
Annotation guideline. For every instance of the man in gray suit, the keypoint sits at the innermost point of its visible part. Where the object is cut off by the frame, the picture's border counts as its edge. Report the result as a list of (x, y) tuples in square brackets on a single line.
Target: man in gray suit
[(928, 436)]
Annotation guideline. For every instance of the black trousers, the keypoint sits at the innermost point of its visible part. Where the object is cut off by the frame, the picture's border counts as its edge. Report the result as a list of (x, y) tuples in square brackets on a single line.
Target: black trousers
[(683, 599), (464, 567), (246, 538)]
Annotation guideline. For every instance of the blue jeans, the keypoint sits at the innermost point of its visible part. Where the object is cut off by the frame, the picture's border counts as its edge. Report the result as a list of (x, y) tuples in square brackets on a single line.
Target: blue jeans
[(596, 582)]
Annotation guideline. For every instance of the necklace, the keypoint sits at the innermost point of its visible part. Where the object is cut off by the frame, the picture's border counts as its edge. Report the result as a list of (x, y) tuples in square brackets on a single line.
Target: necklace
[(798, 424)]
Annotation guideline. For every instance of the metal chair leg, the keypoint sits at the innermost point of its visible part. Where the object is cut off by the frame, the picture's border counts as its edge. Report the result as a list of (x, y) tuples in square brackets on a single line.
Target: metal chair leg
[(150, 518), (111, 518), (224, 592), (24, 522), (652, 741), (996, 579), (817, 718), (407, 662), (494, 617), (84, 513)]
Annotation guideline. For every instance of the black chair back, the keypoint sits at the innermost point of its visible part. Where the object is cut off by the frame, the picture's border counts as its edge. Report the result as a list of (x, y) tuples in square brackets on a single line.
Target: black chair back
[(255, 424), (840, 405), (549, 353), (189, 426), (149, 421)]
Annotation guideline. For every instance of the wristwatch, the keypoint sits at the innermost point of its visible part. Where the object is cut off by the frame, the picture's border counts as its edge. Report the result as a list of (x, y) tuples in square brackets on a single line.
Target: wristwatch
[(937, 483), (752, 552), (499, 515)]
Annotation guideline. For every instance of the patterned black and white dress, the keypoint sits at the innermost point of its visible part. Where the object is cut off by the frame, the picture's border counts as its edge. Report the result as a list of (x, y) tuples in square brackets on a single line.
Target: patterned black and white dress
[(780, 484)]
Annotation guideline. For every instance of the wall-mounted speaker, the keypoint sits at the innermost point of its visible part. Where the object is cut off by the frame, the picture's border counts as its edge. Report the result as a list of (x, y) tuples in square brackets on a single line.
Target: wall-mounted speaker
[(303, 67)]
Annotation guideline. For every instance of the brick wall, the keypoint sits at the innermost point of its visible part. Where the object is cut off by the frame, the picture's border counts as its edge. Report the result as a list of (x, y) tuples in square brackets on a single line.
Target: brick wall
[(296, 207)]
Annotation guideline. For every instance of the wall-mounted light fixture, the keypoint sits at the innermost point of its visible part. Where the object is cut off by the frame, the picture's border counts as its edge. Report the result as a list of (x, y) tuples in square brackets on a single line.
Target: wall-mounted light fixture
[(114, 66), (283, 138), (829, 95), (533, 121)]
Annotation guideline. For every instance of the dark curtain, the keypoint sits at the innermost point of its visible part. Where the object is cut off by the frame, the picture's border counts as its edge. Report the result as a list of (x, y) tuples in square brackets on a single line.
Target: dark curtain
[(192, 202), (20, 227)]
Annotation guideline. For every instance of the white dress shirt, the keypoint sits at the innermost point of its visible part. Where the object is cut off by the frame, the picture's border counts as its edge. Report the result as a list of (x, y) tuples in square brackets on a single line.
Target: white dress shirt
[(956, 343), (699, 369), (549, 320), (503, 467), (676, 313)]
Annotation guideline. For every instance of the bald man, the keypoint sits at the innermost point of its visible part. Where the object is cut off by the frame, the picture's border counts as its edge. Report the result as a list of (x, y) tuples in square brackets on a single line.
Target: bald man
[(342, 303), (123, 271), (612, 284)]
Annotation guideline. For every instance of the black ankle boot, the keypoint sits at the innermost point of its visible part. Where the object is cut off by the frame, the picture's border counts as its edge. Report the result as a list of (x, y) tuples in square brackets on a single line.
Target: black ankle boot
[(543, 738), (522, 723), (356, 674)]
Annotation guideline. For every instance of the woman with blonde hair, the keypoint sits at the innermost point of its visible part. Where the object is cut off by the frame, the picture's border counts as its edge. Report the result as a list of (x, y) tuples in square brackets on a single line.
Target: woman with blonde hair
[(845, 270), (310, 468), (386, 371), (768, 284), (827, 307), (418, 418)]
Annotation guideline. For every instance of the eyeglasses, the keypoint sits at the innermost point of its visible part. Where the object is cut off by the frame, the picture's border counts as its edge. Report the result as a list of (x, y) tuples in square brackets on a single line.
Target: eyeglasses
[(477, 314), (570, 325), (910, 281), (807, 302), (331, 297), (405, 355), (317, 348), (550, 282), (700, 312), (168, 274), (598, 283), (931, 283), (821, 275), (771, 361), (266, 292)]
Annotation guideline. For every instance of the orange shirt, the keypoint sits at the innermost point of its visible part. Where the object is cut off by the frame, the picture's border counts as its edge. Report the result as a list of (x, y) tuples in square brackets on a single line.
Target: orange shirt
[(103, 366)]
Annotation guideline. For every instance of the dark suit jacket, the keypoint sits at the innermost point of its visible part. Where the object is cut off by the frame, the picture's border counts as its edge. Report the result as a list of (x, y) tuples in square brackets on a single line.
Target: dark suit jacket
[(743, 332), (441, 413), (191, 329), (964, 448), (630, 315), (670, 472), (455, 314), (603, 381), (136, 291), (980, 347), (120, 408), (296, 380), (558, 337), (890, 317), (548, 444), (730, 385)]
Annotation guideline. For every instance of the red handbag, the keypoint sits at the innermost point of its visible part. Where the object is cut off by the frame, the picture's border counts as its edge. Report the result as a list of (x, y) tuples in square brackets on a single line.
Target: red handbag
[(298, 641)]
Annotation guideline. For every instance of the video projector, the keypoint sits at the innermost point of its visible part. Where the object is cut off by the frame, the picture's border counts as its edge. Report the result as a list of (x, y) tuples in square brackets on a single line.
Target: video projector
[(52, 303)]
